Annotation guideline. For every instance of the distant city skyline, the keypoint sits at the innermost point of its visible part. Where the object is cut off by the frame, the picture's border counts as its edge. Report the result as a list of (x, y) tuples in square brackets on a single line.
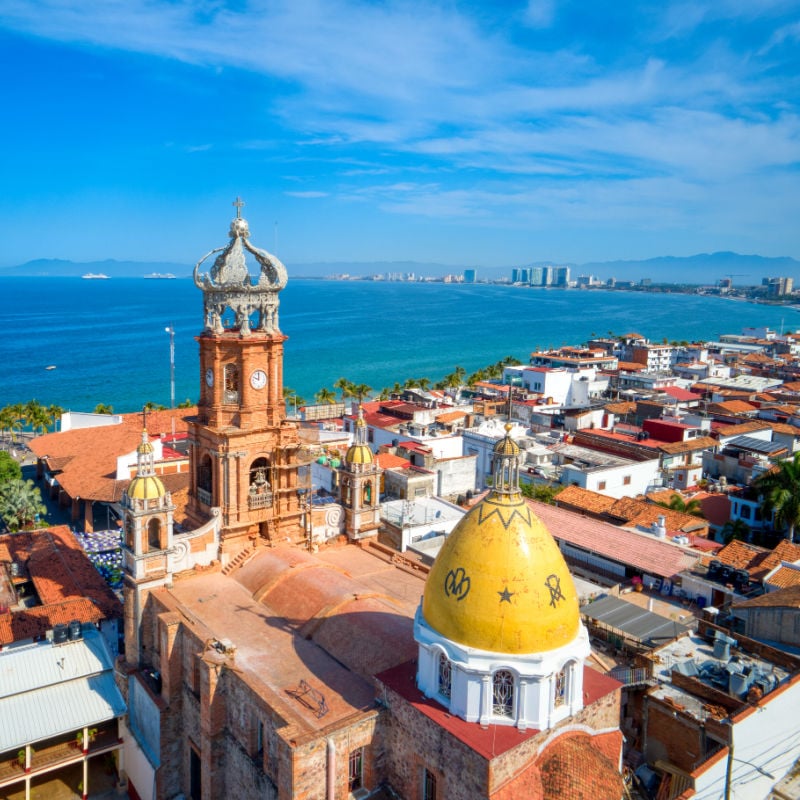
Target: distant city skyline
[(474, 134)]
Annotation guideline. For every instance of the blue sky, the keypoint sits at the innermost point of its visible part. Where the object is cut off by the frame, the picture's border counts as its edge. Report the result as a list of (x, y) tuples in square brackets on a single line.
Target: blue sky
[(464, 133)]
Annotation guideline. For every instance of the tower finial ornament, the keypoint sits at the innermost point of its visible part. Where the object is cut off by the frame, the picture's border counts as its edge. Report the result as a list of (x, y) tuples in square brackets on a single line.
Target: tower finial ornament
[(230, 287)]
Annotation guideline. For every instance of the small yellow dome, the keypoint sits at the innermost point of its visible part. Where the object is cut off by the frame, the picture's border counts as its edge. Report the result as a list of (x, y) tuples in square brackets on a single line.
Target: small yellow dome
[(500, 583), (358, 454), (148, 487), (506, 446)]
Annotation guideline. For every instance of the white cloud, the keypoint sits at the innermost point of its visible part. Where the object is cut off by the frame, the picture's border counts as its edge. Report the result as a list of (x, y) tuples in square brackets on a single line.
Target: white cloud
[(540, 13)]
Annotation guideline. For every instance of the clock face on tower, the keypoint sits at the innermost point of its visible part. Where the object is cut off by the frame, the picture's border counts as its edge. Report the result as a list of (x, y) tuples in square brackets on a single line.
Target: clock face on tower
[(210, 377), (258, 380)]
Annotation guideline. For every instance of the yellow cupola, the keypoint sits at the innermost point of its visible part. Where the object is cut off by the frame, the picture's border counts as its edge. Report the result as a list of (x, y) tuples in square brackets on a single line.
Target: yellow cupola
[(359, 452), (146, 485), (500, 583)]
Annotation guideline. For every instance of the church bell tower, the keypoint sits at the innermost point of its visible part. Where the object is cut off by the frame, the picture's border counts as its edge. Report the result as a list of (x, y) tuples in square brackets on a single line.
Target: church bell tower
[(244, 450)]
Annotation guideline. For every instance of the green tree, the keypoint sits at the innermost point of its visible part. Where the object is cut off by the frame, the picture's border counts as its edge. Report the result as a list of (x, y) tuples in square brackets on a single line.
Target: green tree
[(151, 406), (36, 417), (187, 403), (7, 420), (543, 492), (780, 492), (17, 412), (103, 408), (345, 387), (10, 470), (54, 412), (361, 391), (21, 504), (677, 503), (735, 529), (325, 395)]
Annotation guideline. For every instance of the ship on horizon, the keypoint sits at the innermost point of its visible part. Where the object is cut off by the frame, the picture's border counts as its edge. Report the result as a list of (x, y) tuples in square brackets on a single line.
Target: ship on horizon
[(162, 276), (94, 276)]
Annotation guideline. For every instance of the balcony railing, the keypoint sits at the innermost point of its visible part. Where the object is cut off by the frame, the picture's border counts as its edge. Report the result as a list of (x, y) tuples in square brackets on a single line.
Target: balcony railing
[(204, 496), (259, 500)]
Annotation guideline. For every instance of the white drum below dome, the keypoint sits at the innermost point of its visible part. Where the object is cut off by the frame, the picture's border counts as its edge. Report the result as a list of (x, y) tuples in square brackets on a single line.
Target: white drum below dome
[(534, 690)]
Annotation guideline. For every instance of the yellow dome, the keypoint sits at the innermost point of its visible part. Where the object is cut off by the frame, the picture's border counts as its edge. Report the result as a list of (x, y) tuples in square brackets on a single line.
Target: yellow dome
[(358, 454), (144, 448), (148, 487), (506, 446), (500, 582)]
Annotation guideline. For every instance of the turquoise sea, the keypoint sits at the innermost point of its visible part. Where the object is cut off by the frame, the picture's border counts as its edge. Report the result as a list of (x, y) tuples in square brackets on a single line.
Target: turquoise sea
[(108, 342)]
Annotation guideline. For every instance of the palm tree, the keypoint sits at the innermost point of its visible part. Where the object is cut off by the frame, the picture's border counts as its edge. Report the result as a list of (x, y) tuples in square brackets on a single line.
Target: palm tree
[(17, 419), (38, 419), (7, 420), (103, 408), (187, 403), (325, 395), (735, 529), (423, 383), (54, 412), (345, 387), (677, 503), (780, 491), (21, 504), (361, 391)]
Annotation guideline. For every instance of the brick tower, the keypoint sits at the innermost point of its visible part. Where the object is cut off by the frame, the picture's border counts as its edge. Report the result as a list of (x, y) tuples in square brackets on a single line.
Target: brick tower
[(244, 450)]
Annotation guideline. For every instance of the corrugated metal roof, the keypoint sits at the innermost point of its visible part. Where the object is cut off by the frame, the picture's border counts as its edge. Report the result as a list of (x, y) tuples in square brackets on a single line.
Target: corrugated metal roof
[(756, 445), (47, 690), (631, 619), (23, 669), (55, 710)]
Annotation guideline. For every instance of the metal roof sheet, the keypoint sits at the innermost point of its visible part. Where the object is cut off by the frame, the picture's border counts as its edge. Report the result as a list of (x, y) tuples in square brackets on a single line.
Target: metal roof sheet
[(48, 689), (24, 669), (58, 709), (631, 619)]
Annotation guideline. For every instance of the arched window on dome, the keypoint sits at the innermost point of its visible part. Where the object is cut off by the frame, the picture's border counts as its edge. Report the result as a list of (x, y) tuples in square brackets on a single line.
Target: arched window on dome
[(444, 676), (154, 534), (231, 393), (560, 687), (503, 693)]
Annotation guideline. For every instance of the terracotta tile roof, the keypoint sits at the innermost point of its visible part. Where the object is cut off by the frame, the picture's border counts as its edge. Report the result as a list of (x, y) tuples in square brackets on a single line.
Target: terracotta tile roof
[(635, 512), (732, 407), (626, 407), (783, 598), (16, 626), (584, 500), (87, 457), (784, 577), (791, 386), (391, 461), (690, 446), (451, 416), (630, 366), (740, 430), (640, 551), (758, 561), (67, 584), (785, 429)]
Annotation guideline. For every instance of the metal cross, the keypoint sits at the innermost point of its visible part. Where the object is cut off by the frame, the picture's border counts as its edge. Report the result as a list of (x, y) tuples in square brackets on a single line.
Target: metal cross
[(239, 203), (144, 417)]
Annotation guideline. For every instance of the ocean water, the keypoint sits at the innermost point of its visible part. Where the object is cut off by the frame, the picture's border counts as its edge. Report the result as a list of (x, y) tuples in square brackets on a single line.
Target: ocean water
[(108, 342)]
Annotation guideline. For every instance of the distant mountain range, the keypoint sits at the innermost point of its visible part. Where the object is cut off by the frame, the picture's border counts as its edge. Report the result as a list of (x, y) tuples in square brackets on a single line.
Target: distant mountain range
[(744, 270)]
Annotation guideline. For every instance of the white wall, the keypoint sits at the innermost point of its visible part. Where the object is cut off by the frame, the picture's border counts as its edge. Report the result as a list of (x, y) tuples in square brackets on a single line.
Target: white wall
[(641, 475), (769, 738)]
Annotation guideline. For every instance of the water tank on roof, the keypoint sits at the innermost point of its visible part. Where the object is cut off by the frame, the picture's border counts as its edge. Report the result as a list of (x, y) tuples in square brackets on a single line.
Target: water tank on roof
[(60, 634), (722, 646), (75, 629)]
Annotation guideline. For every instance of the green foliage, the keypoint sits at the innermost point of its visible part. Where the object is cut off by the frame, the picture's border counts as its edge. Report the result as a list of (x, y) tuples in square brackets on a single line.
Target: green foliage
[(21, 504), (9, 469), (103, 408), (780, 490), (543, 492), (735, 529), (187, 403), (677, 503)]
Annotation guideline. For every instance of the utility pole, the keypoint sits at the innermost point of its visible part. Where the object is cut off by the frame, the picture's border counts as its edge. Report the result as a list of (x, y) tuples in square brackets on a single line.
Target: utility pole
[(171, 331)]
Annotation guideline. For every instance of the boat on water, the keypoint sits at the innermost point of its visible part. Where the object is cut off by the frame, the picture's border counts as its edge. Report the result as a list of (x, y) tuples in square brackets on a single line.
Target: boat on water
[(160, 276), (94, 276), (50, 366)]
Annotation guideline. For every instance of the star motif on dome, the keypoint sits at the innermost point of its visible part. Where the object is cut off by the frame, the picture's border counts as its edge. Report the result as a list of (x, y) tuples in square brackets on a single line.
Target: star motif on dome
[(521, 510), (505, 595)]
